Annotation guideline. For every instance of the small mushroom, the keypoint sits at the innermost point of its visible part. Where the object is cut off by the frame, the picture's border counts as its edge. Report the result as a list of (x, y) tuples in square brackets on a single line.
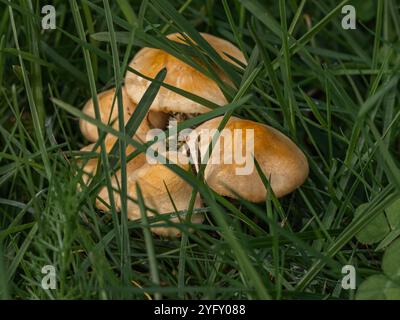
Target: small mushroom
[(90, 167), (150, 61), (282, 162), (103, 198), (157, 183), (109, 115), (163, 191)]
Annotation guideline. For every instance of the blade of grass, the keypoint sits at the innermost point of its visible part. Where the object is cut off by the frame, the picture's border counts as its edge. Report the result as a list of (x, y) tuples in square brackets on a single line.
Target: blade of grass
[(149, 243)]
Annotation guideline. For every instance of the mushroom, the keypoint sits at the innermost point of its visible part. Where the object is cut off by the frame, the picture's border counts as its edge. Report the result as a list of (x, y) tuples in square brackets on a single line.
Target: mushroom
[(149, 61), (90, 167), (109, 115), (103, 198), (163, 191), (282, 162), (157, 184)]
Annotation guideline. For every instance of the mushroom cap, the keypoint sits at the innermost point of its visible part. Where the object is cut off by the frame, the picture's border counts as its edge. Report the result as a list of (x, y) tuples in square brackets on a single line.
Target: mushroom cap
[(90, 167), (282, 162), (109, 114), (152, 179), (103, 198), (149, 62), (155, 181)]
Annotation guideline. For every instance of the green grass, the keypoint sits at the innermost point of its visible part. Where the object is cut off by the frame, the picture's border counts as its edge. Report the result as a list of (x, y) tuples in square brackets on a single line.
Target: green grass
[(335, 92)]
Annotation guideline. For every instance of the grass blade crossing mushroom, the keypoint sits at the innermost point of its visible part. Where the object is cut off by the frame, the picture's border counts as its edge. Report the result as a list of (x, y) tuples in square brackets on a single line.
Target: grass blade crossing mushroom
[(109, 115), (164, 192), (150, 61), (89, 167)]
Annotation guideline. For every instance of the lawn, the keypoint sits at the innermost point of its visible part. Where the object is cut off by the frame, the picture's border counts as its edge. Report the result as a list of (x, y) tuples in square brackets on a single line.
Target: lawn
[(333, 91)]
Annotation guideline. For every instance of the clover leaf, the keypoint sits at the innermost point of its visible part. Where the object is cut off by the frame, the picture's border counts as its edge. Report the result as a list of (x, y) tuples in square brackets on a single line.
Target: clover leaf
[(384, 286), (384, 227)]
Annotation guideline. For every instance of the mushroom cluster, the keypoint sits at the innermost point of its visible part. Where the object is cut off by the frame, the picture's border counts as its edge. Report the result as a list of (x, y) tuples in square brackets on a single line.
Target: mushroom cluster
[(164, 192)]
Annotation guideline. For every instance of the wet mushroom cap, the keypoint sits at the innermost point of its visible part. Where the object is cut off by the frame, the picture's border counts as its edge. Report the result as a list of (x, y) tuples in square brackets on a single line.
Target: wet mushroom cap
[(108, 108), (150, 62), (282, 162)]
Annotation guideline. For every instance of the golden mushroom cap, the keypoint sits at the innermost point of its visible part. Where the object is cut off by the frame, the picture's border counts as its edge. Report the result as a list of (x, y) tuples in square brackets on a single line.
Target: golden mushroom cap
[(103, 198), (155, 182), (89, 168), (282, 162), (109, 114), (150, 61)]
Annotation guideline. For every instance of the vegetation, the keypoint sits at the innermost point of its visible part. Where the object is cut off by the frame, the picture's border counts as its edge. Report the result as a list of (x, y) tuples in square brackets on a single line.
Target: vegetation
[(333, 91)]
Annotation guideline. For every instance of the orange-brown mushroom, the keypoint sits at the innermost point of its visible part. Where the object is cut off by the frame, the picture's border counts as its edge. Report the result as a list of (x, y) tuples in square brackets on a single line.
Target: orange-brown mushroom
[(282, 162), (165, 192), (157, 184), (90, 167), (108, 109), (150, 61)]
